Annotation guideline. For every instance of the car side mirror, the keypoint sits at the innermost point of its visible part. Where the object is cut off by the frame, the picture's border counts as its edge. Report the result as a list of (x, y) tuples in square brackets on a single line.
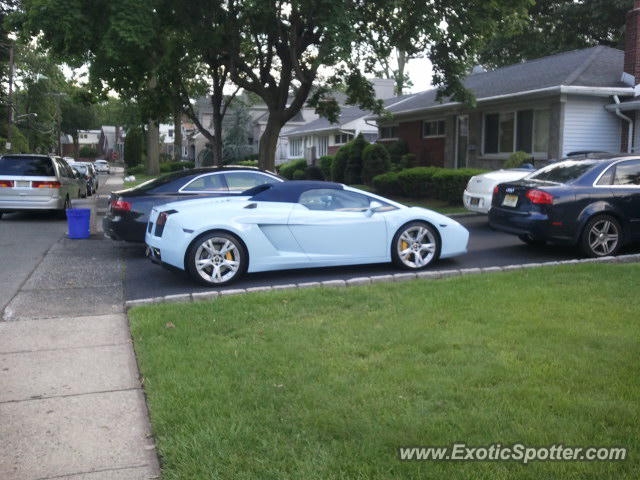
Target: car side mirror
[(373, 208)]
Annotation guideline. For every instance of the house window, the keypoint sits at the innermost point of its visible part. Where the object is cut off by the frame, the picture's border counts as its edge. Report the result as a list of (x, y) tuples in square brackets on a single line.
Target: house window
[(342, 138), (295, 147), (171, 133), (524, 130), (435, 128), (388, 132), (323, 146)]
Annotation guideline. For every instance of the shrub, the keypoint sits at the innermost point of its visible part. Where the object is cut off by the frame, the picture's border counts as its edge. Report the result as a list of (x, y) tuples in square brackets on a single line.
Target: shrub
[(387, 184), (298, 175), (288, 169), (408, 160), (353, 172), (251, 157), (375, 161), (326, 163), (313, 173), (517, 159), (133, 146), (168, 167), (135, 170), (339, 165), (247, 163), (87, 152), (450, 184), (418, 182), (396, 150)]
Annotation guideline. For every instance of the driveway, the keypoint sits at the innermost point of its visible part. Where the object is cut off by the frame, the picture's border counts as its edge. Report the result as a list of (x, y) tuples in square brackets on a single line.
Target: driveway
[(487, 248)]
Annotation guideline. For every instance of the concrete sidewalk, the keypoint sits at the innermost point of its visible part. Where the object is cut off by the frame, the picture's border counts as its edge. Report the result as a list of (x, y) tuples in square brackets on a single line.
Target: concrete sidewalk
[(71, 403)]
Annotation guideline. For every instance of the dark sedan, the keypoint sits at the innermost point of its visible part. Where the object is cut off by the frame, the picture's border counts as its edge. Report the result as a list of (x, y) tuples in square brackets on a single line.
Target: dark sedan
[(591, 203), (129, 209)]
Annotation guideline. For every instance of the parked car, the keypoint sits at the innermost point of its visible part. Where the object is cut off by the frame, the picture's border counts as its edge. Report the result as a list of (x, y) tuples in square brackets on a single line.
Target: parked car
[(129, 209), (83, 172), (591, 203), (36, 182), (297, 224), (479, 192), (102, 166), (90, 174)]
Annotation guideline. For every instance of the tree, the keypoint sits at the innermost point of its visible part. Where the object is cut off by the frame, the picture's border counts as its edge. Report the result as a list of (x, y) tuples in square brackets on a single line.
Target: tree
[(235, 139), (77, 113), (554, 26), (133, 145), (375, 161), (353, 171)]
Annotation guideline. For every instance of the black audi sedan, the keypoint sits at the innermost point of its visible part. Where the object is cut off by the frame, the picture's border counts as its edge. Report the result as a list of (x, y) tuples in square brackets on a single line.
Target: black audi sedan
[(592, 203), (128, 210)]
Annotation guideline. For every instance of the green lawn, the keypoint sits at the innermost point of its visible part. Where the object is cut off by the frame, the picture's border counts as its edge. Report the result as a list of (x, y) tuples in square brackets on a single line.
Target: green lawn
[(431, 204), (139, 179), (328, 383)]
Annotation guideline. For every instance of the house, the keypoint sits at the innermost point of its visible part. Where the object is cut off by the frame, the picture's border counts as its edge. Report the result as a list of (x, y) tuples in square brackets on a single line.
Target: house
[(549, 107), (89, 138), (167, 139), (322, 137), (256, 122)]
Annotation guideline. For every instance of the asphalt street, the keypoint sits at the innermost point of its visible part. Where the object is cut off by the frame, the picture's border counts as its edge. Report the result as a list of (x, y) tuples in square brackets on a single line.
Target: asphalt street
[(487, 248)]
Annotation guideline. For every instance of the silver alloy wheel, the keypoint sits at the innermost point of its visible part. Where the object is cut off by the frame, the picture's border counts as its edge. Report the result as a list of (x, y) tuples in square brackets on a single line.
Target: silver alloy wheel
[(217, 260), (603, 237), (416, 247)]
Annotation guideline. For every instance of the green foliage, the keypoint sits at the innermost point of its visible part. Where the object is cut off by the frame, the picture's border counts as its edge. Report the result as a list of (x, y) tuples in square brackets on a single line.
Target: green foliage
[(235, 143), (375, 161), (387, 184), (247, 163), (396, 150), (87, 152), (417, 182), (353, 172), (339, 164), (133, 146), (313, 172), (408, 160), (450, 184), (299, 175), (516, 159), (287, 170), (168, 167), (136, 170), (326, 163)]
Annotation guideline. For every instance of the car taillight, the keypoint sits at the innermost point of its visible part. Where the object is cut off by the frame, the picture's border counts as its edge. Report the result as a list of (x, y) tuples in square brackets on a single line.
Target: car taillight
[(6, 183), (540, 197), (121, 205), (496, 190), (162, 217), (45, 184)]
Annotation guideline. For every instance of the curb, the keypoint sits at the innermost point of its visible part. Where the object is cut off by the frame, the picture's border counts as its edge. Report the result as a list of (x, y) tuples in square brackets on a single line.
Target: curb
[(353, 282)]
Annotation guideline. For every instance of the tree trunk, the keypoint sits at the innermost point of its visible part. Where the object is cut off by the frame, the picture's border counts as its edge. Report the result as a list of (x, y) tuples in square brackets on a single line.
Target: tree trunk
[(269, 143), (177, 134), (402, 62), (153, 153), (216, 141), (76, 145)]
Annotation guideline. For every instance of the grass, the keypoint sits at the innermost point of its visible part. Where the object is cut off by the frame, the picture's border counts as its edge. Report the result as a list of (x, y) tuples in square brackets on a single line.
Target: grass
[(328, 383), (139, 179), (432, 204)]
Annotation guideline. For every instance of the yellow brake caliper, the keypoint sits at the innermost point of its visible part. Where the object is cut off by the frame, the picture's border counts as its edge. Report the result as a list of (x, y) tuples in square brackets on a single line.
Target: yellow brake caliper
[(228, 256), (404, 245)]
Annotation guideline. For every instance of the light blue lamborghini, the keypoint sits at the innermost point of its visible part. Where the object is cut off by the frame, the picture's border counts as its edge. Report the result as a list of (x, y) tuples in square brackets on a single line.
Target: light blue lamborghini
[(297, 224)]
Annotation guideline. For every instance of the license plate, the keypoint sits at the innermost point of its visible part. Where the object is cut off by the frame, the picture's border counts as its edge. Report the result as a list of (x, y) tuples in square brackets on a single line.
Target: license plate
[(475, 202), (510, 200), (23, 183)]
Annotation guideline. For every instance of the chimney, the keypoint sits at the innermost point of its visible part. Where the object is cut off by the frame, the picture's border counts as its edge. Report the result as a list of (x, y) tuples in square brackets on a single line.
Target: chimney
[(383, 87), (632, 43)]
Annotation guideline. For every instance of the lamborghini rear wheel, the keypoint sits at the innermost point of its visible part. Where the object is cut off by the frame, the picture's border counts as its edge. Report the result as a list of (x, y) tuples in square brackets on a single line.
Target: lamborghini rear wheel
[(415, 246), (216, 259)]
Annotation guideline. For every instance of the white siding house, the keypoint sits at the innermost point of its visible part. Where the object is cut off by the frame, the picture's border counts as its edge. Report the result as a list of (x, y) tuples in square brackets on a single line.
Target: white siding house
[(588, 126)]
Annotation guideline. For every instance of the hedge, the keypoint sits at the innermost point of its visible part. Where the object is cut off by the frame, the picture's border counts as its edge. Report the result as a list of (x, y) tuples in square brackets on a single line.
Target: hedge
[(353, 171), (426, 182), (287, 170), (313, 172), (375, 161), (168, 167), (326, 163), (246, 163), (339, 164)]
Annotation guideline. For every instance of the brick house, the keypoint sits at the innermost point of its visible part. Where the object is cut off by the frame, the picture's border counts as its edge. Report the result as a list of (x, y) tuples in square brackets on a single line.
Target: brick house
[(549, 107)]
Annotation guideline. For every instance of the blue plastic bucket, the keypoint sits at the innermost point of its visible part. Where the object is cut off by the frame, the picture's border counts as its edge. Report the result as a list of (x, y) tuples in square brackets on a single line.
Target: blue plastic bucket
[(78, 220)]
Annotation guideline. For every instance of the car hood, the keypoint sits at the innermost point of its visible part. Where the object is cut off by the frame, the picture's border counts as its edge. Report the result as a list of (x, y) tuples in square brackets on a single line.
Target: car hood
[(200, 203)]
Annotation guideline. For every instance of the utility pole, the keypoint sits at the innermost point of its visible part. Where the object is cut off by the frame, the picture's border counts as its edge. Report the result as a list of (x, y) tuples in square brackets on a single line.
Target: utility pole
[(10, 97)]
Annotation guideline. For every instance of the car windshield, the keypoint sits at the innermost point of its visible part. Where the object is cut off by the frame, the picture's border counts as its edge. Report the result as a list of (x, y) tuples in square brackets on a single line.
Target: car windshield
[(563, 172), (158, 182), (26, 166), (80, 168)]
